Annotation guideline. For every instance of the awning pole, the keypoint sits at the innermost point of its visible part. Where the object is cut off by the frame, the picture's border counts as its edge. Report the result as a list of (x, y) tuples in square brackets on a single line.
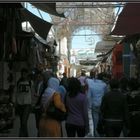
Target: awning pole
[(26, 6)]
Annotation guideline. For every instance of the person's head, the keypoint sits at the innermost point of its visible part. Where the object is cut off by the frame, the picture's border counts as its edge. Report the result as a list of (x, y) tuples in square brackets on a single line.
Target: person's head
[(114, 84), (83, 73), (64, 74), (74, 86), (24, 73), (92, 74), (123, 83), (40, 76), (53, 83)]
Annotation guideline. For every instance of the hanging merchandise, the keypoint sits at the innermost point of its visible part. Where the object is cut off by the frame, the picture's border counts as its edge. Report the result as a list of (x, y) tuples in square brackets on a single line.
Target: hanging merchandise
[(9, 35), (22, 50), (38, 56), (25, 49), (18, 49), (126, 59), (14, 46), (32, 55), (117, 64)]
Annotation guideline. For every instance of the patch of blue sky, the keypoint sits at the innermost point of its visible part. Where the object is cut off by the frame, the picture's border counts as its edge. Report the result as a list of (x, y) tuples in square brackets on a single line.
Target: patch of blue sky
[(118, 10), (35, 11)]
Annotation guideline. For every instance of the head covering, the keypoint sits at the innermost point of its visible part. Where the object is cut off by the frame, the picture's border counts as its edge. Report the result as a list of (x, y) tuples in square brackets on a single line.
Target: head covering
[(61, 89), (53, 84)]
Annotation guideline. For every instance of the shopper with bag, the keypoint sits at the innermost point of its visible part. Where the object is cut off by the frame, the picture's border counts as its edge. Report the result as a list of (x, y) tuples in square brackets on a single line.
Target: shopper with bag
[(49, 125)]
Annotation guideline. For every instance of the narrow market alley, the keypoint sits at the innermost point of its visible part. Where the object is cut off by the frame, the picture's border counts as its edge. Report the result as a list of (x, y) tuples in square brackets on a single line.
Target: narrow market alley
[(70, 69)]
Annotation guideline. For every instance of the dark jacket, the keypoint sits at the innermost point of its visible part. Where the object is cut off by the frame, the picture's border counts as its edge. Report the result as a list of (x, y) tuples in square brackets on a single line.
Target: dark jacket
[(114, 106)]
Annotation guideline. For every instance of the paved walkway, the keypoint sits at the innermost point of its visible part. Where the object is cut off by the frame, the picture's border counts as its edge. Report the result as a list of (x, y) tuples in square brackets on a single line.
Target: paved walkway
[(31, 128)]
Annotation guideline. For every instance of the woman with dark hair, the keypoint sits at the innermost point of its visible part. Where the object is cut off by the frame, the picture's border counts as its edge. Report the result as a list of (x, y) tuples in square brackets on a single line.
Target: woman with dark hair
[(76, 103)]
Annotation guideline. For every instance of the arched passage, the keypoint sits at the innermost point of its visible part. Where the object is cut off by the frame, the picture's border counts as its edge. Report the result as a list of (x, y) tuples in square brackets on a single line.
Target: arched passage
[(84, 38)]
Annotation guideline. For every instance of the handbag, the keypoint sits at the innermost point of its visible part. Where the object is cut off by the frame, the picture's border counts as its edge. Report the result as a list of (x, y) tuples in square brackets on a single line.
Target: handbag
[(55, 113)]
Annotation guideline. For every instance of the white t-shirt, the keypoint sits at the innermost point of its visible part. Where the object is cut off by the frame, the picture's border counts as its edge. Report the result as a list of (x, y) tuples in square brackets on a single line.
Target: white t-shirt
[(23, 94)]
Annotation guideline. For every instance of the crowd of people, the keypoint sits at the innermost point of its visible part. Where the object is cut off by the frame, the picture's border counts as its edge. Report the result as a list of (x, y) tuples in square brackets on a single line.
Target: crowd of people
[(97, 105)]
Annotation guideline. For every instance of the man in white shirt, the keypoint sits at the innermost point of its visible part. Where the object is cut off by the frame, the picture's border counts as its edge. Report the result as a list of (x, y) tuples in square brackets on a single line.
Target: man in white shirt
[(23, 101)]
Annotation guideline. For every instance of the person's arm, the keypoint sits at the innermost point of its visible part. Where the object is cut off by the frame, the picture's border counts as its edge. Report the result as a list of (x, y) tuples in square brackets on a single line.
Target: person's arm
[(58, 103)]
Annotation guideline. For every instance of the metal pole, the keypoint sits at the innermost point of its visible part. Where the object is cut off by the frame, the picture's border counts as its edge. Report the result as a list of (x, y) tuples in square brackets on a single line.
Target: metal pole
[(26, 6), (60, 48)]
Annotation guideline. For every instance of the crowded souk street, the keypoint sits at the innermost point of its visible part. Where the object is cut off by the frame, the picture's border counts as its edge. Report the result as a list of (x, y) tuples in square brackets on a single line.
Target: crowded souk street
[(70, 69)]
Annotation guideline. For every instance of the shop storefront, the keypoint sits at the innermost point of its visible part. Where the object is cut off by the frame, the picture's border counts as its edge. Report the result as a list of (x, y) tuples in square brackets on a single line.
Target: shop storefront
[(127, 25), (18, 49)]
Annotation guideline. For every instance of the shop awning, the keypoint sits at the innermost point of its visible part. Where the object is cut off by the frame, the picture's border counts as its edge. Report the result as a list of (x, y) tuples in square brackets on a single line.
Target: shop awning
[(104, 46), (11, 5), (128, 22), (40, 26), (49, 8)]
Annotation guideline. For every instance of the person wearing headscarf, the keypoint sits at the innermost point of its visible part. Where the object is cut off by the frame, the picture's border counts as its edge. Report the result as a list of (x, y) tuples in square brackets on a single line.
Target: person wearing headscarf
[(62, 90), (49, 127)]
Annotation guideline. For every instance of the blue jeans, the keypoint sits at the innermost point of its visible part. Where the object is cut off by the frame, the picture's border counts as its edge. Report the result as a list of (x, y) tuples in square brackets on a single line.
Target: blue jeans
[(24, 112), (95, 116), (91, 124)]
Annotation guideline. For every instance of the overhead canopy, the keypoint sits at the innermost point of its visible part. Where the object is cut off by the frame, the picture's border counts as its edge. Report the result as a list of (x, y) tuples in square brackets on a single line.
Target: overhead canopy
[(11, 5), (128, 22), (49, 8), (104, 46), (40, 26)]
